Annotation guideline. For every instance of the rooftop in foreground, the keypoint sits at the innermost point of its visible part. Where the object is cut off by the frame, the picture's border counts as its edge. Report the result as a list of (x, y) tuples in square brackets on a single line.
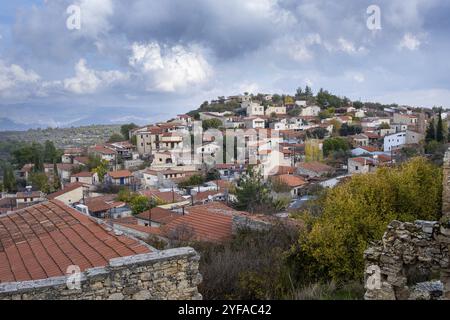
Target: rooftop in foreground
[(43, 240)]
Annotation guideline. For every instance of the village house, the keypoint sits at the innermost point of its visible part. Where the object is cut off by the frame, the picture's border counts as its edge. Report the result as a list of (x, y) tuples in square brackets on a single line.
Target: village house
[(103, 152), (184, 119), (295, 183), (65, 171), (360, 140), (71, 194), (70, 154), (255, 123), (311, 111), (398, 140), (361, 165), (253, 109), (278, 110), (28, 198), (407, 119), (119, 178), (154, 178), (313, 169), (85, 177)]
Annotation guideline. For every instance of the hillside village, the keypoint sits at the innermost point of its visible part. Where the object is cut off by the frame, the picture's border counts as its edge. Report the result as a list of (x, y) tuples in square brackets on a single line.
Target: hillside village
[(155, 186)]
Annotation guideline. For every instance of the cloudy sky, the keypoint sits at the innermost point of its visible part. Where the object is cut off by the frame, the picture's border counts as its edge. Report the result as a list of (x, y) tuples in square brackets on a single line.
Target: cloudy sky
[(141, 60)]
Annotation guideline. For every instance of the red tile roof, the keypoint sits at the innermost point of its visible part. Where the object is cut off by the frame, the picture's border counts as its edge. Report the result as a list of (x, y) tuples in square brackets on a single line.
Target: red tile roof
[(83, 160), (167, 197), (41, 241), (23, 195), (83, 174), (209, 222), (120, 174), (291, 180), (159, 215), (315, 166)]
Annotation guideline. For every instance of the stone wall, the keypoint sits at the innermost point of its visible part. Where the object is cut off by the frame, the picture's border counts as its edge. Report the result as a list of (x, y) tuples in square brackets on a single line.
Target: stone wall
[(163, 275), (411, 262)]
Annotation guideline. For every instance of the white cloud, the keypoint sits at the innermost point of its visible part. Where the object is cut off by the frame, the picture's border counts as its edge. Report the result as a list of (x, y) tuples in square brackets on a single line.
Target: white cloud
[(14, 80), (168, 69), (94, 16), (300, 50), (410, 42), (88, 81), (349, 47)]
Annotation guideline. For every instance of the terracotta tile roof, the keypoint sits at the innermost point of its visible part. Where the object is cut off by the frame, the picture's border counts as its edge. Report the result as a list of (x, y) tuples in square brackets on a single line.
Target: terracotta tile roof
[(363, 161), (100, 204), (120, 174), (315, 166), (159, 215), (167, 197), (41, 241), (284, 170), (67, 188), (83, 174), (209, 222), (23, 195), (291, 180), (203, 196), (65, 166), (102, 150), (83, 160)]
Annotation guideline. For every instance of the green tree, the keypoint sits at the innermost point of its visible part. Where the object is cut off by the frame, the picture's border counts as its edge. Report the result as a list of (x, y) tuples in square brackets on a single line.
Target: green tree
[(335, 144), (211, 124), (9, 179), (139, 204), (431, 132), (38, 157), (50, 152), (126, 128), (252, 192), (440, 128), (115, 137), (102, 170), (39, 181), (56, 179), (357, 212)]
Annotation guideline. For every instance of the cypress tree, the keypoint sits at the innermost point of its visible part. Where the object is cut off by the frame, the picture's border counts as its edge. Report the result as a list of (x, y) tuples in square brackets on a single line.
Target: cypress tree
[(440, 129)]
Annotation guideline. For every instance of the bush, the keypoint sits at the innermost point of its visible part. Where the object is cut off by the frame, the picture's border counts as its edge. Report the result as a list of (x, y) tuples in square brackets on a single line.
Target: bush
[(250, 266), (358, 212)]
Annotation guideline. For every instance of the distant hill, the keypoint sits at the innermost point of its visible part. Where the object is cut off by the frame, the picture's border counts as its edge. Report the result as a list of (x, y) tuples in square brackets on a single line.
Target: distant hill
[(7, 124)]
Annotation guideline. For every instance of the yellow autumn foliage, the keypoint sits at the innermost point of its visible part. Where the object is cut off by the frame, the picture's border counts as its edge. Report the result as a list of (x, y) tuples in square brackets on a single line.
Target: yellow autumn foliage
[(358, 212)]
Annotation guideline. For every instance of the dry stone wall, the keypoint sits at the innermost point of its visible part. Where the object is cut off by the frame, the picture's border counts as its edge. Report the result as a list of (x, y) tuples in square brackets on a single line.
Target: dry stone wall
[(163, 275), (409, 262)]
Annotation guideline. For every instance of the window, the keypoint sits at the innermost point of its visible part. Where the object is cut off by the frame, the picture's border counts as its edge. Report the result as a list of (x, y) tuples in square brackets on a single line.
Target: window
[(356, 168)]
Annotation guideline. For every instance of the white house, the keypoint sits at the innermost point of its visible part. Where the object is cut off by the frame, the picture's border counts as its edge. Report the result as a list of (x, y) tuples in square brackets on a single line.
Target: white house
[(254, 109), (275, 109), (361, 165), (71, 194), (311, 111), (89, 178), (394, 141), (255, 123)]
